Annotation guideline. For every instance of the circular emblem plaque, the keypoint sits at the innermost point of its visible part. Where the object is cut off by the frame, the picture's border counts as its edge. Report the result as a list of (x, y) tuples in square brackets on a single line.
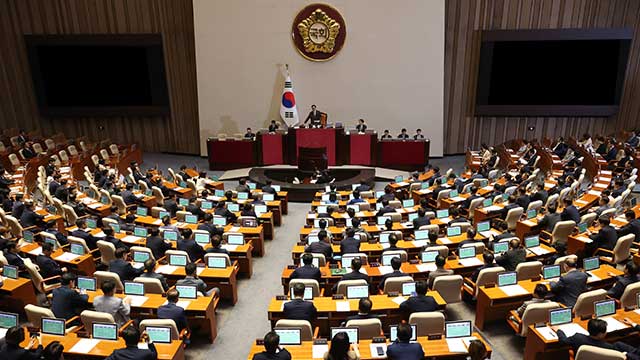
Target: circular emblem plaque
[(318, 32)]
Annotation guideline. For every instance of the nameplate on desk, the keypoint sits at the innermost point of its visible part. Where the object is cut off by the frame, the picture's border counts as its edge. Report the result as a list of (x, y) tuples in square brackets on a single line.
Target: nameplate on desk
[(281, 297), (337, 297)]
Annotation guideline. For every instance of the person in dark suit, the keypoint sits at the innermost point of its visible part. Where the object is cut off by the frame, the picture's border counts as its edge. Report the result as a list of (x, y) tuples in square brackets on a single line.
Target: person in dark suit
[(298, 308), (54, 184), (456, 216), (418, 303), (364, 312), (80, 232), (421, 220), (149, 266), (188, 244), (388, 195), (194, 209), (29, 217), (363, 186), (541, 194), (247, 210), (439, 271), (157, 245), (67, 301), (216, 246), (172, 311), (307, 270), (550, 219), (221, 210), (630, 276), (268, 189), (18, 207), (403, 135), (570, 212), (570, 285), (321, 247), (523, 199), (467, 202), (183, 173), (127, 195), (361, 127), (356, 198), (385, 208), (597, 329), (396, 263), (512, 257), (606, 238), (272, 348), (488, 263), (48, 266), (11, 348), (131, 336), (50, 227), (11, 254), (124, 269), (402, 348), (355, 274), (314, 117), (170, 204), (505, 210), (350, 245), (117, 243), (273, 126), (632, 226), (207, 225), (62, 191)]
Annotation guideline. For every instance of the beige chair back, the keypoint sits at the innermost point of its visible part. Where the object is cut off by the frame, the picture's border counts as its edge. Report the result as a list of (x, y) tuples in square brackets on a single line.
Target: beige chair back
[(72, 150), (104, 154), (107, 252), (322, 261), (589, 218), (367, 328), (119, 203), (473, 205), (3, 260), (37, 280), (343, 284), (364, 206), (14, 226), (584, 304), (181, 215), (114, 149), (561, 260), (143, 186), (80, 241), (441, 249), (175, 335), (307, 331), (628, 298), (51, 237), (36, 313), (433, 228), (443, 194), (513, 216), (38, 148), (622, 249), (428, 323), (528, 270), (562, 230), (105, 194), (315, 286), (487, 276), (588, 352), (395, 283), (101, 276), (151, 285), (158, 194), (88, 317), (535, 313), (535, 205), (449, 287)]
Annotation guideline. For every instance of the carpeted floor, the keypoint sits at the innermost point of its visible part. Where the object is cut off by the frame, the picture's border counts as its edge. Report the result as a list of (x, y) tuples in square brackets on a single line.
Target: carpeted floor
[(240, 325)]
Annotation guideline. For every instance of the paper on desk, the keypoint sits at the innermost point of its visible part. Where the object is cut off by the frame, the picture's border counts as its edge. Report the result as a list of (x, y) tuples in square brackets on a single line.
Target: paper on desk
[(444, 240), (488, 188), (99, 234), (137, 265), (131, 239), (143, 346), (547, 184), (84, 346), (364, 271), (318, 351), (547, 333), (492, 208), (444, 220), (592, 278), (399, 299), (637, 311), (514, 290), (157, 222), (311, 216), (538, 250), (184, 303), (67, 257), (374, 350), (581, 202), (166, 269), (572, 329), (403, 183), (137, 300), (37, 251), (471, 262), (343, 306), (584, 239), (420, 243), (457, 198), (593, 192), (385, 245), (234, 229), (614, 324), (95, 205), (426, 267), (229, 247), (3, 332), (456, 346), (385, 270), (199, 270)]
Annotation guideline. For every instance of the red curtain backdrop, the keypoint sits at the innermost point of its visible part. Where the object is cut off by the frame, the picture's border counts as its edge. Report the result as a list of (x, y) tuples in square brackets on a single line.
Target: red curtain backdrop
[(318, 138)]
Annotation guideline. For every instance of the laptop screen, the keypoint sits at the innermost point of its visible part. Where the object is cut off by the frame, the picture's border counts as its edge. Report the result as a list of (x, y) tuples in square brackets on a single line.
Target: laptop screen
[(289, 336), (260, 209), (141, 211), (412, 216), (252, 186), (409, 289), (133, 288), (487, 202), (308, 293), (393, 333), (235, 239), (605, 307), (218, 193), (532, 241), (8, 320), (384, 237), (349, 222), (206, 205), (453, 193), (177, 260), (105, 331), (140, 256), (115, 227), (191, 219), (407, 203), (457, 329), (268, 197), (454, 231), (500, 247), (397, 179), (186, 291), (159, 334), (53, 242), (313, 238), (140, 231), (424, 185), (219, 221), (379, 193), (233, 207), (87, 283), (467, 252), (51, 326), (162, 214), (386, 259), (10, 271), (275, 187), (170, 235), (531, 213), (201, 238), (421, 234), (346, 260), (322, 209), (91, 223), (429, 256), (560, 316), (216, 262), (582, 227), (27, 236), (442, 213), (591, 263), (183, 202), (551, 272), (483, 226), (243, 195), (351, 332), (357, 291), (507, 278), (104, 199), (383, 219)]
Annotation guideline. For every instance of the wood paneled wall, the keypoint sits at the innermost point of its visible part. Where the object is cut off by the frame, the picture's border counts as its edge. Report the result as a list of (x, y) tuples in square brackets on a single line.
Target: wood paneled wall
[(464, 19), (171, 18)]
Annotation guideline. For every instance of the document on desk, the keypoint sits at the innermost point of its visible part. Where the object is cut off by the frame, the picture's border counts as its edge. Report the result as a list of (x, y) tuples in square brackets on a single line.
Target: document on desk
[(581, 202), (529, 223), (426, 267), (593, 192), (385, 245), (166, 269), (318, 351), (157, 222), (343, 306), (131, 239), (420, 243), (137, 265), (143, 346), (474, 261), (84, 346), (399, 299), (311, 216), (488, 188), (444, 240), (199, 270), (403, 183), (67, 257), (592, 277), (137, 301), (374, 350), (37, 251), (184, 303), (364, 271), (234, 229), (346, 216), (229, 247), (514, 290), (444, 220), (99, 234), (385, 270), (492, 208), (3, 332), (572, 329), (457, 198), (614, 324), (456, 346), (547, 333), (538, 250)]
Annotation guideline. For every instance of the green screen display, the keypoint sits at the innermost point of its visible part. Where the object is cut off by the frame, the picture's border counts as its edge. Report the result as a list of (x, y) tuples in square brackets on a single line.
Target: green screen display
[(53, 326)]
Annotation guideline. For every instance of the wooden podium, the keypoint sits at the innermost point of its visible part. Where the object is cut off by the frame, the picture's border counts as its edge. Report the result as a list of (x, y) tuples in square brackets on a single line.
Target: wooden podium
[(312, 158)]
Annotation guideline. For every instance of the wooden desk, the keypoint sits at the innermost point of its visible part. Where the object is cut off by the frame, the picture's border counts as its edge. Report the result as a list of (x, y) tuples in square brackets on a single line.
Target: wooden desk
[(256, 234), (494, 304), (15, 294), (432, 349), (84, 264), (225, 279)]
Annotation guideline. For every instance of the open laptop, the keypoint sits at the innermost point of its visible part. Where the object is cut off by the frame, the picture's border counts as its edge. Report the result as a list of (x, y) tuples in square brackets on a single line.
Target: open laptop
[(408, 203), (591, 263), (10, 271), (133, 288), (53, 242), (467, 252), (218, 193), (170, 235), (582, 228), (86, 283), (397, 179), (289, 336), (27, 236), (500, 247), (531, 214), (308, 293), (260, 209), (551, 272), (140, 256), (429, 256), (507, 278), (233, 207), (159, 334), (411, 217), (604, 308), (104, 331), (483, 227), (357, 291), (140, 231), (560, 316), (454, 231), (201, 238), (532, 243), (393, 333), (91, 223), (268, 197), (219, 221), (457, 329), (187, 291), (384, 237), (409, 289), (383, 219), (178, 260), (142, 211), (346, 259), (386, 259), (243, 195), (487, 202), (7, 321), (206, 205), (441, 214), (351, 332), (183, 202), (216, 262), (191, 219), (52, 326), (235, 239), (163, 213), (115, 227), (421, 234)]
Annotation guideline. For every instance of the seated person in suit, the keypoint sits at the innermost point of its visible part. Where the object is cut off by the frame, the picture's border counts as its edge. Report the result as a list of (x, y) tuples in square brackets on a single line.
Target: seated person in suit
[(11, 254), (358, 229), (363, 186), (550, 218), (388, 195), (606, 237), (298, 308), (81, 232), (396, 263), (488, 263), (505, 210), (523, 199), (107, 303), (5, 235), (170, 204), (51, 228), (603, 205), (29, 217), (350, 244), (129, 223), (361, 127), (221, 210), (403, 134), (457, 217), (194, 209), (597, 329), (421, 220), (216, 246), (386, 208), (632, 226), (117, 243), (192, 279), (272, 348), (172, 311), (242, 186), (355, 274), (386, 135), (471, 238), (11, 349), (393, 244), (307, 270), (131, 336), (322, 246), (418, 135), (473, 191), (67, 300), (418, 303), (249, 135), (477, 350), (149, 272), (188, 244), (356, 198), (268, 188), (402, 348), (510, 259), (539, 296), (439, 271), (570, 212), (630, 276), (48, 266), (364, 311), (124, 269), (571, 284), (247, 210), (157, 244), (127, 195), (340, 348), (183, 173), (207, 225)]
